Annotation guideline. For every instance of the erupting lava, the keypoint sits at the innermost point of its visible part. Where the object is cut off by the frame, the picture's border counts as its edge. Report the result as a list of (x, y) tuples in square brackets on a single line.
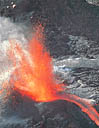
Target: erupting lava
[(34, 76)]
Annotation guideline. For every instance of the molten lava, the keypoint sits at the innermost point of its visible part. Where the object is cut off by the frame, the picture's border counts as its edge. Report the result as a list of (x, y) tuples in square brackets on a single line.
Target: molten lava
[(34, 76)]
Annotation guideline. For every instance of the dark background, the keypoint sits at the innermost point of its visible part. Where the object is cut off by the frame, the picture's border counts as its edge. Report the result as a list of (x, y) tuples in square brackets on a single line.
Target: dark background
[(69, 24)]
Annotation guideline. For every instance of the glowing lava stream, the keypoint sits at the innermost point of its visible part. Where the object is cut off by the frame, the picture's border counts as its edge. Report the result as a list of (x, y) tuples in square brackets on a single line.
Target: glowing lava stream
[(34, 76)]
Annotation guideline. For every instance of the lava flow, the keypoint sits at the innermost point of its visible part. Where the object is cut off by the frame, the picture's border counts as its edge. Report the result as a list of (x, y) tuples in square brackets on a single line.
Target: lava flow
[(34, 75)]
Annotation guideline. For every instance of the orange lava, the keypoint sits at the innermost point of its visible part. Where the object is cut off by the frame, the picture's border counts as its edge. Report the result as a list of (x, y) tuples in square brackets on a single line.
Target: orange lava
[(34, 76)]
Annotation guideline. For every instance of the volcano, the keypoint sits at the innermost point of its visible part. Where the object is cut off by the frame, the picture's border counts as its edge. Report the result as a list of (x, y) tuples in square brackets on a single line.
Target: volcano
[(33, 76)]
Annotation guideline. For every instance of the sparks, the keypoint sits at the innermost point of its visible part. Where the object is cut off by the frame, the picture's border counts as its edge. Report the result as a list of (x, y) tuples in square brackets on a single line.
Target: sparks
[(34, 76)]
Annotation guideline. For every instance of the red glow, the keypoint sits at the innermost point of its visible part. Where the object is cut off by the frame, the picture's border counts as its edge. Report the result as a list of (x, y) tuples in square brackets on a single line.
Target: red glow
[(34, 76)]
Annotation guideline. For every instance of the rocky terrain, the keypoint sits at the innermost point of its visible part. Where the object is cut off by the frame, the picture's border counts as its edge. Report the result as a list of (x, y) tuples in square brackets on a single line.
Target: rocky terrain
[(71, 30)]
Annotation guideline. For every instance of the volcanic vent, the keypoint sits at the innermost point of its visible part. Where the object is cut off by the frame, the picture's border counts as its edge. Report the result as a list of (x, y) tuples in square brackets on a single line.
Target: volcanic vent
[(33, 75)]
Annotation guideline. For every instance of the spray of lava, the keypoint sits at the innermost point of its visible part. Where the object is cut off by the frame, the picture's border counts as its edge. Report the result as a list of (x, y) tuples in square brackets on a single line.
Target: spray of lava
[(34, 76)]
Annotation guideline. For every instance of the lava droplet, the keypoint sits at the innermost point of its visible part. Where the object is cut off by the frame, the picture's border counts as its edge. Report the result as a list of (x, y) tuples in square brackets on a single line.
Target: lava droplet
[(34, 76)]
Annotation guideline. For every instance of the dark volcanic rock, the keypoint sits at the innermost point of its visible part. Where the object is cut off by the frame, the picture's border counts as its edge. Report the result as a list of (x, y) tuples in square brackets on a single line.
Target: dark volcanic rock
[(71, 29), (57, 114), (75, 17)]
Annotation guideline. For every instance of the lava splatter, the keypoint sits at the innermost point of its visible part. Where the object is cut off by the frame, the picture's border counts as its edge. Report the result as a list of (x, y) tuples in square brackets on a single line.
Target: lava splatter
[(34, 75)]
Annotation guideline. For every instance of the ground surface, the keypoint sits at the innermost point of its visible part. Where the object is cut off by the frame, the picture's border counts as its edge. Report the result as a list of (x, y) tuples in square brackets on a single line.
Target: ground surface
[(71, 29)]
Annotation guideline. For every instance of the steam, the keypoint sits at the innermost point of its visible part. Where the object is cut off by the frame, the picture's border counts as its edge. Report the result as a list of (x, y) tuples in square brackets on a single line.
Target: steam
[(9, 31), (34, 72)]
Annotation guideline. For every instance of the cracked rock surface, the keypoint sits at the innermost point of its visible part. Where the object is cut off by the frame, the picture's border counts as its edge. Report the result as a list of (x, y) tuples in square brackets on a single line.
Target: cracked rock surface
[(72, 38)]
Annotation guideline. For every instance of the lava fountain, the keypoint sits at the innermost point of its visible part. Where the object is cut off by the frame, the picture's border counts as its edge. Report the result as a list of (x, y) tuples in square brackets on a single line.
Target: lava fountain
[(34, 75)]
